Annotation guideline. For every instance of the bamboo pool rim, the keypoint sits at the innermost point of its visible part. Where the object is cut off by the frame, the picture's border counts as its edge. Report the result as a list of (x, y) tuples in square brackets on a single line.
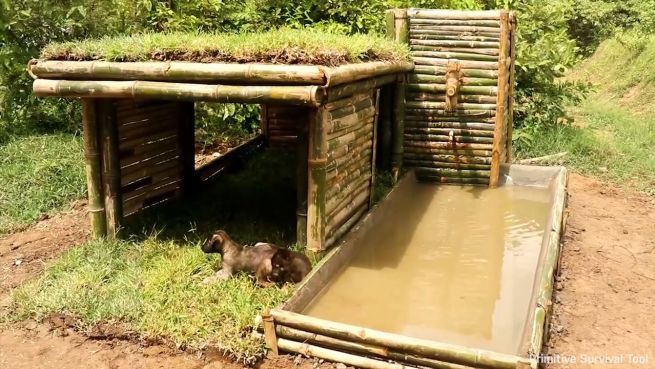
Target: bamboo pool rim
[(554, 178)]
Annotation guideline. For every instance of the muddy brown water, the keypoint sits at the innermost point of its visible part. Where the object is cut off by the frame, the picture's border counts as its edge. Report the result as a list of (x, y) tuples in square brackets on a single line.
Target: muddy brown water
[(451, 264)]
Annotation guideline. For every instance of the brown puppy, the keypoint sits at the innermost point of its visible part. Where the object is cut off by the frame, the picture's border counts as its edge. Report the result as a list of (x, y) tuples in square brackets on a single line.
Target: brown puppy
[(236, 258), (289, 266)]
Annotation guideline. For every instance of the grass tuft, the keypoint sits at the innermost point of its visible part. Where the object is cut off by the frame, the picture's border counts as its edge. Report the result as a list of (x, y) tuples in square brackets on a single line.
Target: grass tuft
[(282, 46), (38, 174)]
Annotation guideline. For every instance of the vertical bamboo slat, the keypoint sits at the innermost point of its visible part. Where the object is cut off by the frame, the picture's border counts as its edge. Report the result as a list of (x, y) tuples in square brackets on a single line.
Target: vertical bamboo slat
[(498, 144), (510, 105), (263, 120), (301, 180), (187, 143), (317, 182), (111, 171), (93, 169), (374, 146)]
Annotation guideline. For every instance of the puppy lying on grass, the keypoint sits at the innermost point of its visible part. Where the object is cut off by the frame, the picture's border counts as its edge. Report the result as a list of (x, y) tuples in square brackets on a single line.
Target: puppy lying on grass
[(290, 266)]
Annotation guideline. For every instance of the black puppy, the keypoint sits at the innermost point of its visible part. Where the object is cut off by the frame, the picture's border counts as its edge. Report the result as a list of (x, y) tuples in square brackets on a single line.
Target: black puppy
[(289, 266)]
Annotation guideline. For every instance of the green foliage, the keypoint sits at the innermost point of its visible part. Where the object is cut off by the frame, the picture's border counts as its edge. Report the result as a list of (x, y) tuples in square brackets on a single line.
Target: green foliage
[(39, 174), (225, 123)]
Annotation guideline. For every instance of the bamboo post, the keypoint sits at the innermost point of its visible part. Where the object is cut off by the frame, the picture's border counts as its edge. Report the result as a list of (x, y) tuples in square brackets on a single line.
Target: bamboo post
[(187, 145), (398, 127), (497, 149), (93, 168), (301, 179), (111, 170), (317, 182), (384, 127), (374, 147), (510, 105), (263, 120), (270, 335)]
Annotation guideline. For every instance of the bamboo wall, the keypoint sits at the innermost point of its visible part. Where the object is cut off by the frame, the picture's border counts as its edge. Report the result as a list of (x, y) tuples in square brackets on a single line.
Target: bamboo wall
[(280, 123), (464, 141)]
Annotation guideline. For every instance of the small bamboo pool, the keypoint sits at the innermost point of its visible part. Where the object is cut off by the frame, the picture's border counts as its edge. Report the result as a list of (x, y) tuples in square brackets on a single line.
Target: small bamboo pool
[(439, 276)]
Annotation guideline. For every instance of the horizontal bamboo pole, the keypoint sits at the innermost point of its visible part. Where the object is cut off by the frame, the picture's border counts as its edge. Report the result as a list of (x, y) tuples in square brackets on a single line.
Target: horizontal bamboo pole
[(457, 22), (463, 29), (453, 55), (448, 158), (351, 136), (465, 72), (351, 121), (357, 156), (464, 90), (440, 98), (452, 180), (332, 355), (441, 165), (446, 138), (420, 34), (452, 14), (357, 105), (355, 72), (465, 81), (465, 64), (341, 91), (427, 116), (464, 114), (451, 146), (341, 345), (341, 214), (441, 351), (439, 105), (446, 131), (447, 172), (296, 95), (348, 193), (357, 165), (253, 73), (449, 151), (489, 36), (464, 53), (453, 43), (429, 126), (346, 149)]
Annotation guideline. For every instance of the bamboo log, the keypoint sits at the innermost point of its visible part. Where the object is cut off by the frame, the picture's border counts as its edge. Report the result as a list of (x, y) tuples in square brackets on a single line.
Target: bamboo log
[(440, 351), (398, 126), (457, 22), (141, 198), (442, 165), (354, 72), (446, 172), (429, 34), (340, 125), (498, 145), (357, 105), (426, 116), (348, 103), (295, 95), (445, 145), (90, 123), (269, 331), (448, 158), (363, 130), (356, 156), (464, 90), (187, 143), (339, 184), (341, 91), (464, 114), (301, 180), (466, 81), (347, 194), (466, 72), (453, 14), (111, 171), (252, 73), (346, 149), (453, 43), (453, 55), (474, 30), (341, 215), (446, 138), (466, 64), (449, 151), (452, 180), (376, 351), (477, 126), (473, 99), (401, 25), (510, 105), (356, 164), (317, 181), (442, 105), (475, 52), (457, 132)]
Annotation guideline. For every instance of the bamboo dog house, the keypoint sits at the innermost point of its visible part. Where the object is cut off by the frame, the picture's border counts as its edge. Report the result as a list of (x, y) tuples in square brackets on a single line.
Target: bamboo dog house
[(460, 95), (138, 126)]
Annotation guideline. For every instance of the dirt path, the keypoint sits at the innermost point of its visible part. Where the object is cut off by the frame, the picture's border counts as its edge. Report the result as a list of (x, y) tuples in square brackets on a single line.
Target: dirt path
[(23, 254), (605, 302), (604, 308)]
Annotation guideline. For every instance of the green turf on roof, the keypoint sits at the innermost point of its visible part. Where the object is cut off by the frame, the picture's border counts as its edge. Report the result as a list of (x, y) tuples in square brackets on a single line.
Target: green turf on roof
[(284, 46)]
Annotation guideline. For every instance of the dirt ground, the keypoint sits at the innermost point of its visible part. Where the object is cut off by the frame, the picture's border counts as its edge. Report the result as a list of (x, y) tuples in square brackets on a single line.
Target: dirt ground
[(604, 311)]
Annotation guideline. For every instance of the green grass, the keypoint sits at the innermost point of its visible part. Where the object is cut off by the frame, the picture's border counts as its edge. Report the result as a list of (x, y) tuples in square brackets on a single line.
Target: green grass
[(152, 283), (284, 46), (38, 174)]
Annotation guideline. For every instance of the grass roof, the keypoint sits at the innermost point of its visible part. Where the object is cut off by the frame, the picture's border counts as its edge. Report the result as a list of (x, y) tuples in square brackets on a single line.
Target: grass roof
[(283, 46)]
